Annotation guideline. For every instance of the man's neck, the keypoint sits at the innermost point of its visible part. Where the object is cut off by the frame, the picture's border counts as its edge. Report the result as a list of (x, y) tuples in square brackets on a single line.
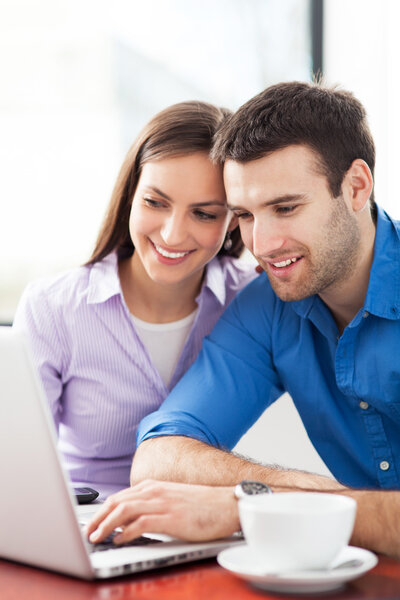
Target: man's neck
[(346, 298)]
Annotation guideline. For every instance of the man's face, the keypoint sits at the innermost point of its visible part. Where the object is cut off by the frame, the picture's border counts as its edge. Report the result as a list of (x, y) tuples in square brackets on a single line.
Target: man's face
[(306, 241)]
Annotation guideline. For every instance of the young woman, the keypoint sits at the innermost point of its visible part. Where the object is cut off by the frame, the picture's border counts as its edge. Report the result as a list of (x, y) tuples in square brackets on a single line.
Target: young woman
[(111, 338)]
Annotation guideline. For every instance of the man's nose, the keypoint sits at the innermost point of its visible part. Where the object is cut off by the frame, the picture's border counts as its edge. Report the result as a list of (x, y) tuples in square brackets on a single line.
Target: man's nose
[(267, 238), (173, 230)]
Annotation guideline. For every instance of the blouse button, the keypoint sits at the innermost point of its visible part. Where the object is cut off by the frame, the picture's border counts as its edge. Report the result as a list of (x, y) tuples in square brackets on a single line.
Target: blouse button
[(384, 465), (364, 405)]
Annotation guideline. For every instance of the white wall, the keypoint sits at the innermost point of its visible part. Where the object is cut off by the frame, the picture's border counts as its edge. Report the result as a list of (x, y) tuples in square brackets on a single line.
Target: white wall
[(279, 438)]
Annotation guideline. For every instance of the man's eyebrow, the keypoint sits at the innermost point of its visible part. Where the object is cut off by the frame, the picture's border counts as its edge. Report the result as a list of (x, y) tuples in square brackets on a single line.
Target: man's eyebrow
[(155, 189), (286, 199)]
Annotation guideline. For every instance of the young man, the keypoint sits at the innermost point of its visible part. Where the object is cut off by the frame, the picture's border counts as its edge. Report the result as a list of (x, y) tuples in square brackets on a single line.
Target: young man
[(322, 322)]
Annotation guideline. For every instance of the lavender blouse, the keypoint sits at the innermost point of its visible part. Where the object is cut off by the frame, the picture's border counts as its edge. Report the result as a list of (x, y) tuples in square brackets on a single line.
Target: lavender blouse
[(97, 375)]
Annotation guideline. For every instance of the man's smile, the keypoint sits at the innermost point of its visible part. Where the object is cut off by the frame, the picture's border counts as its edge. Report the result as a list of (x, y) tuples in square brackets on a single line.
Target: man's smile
[(285, 263), (281, 267)]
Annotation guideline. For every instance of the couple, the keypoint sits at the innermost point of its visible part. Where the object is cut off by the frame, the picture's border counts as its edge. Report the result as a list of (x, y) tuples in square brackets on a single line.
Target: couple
[(321, 322)]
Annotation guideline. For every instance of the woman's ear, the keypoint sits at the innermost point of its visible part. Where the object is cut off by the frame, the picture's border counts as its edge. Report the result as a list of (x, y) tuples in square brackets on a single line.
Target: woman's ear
[(358, 183)]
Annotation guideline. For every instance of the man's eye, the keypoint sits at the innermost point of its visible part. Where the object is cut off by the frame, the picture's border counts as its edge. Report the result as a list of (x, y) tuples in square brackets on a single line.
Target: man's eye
[(205, 216), (285, 210), (243, 215)]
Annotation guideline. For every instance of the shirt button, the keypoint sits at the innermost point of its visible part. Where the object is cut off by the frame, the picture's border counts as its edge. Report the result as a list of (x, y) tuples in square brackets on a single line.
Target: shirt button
[(366, 314), (364, 405), (384, 465)]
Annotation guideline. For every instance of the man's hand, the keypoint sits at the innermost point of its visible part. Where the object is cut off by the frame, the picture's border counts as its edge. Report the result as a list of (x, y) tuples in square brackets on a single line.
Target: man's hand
[(200, 513), (188, 512)]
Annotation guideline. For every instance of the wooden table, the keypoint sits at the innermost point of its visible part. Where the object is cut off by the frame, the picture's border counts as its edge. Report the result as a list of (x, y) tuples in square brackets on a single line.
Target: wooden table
[(201, 580)]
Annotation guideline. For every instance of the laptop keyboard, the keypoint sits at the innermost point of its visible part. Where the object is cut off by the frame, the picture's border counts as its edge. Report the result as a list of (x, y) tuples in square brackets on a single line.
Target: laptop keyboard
[(108, 543)]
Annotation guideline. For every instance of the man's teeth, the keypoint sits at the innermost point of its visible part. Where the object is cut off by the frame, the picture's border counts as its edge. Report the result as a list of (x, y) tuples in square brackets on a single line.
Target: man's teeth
[(169, 254), (285, 263)]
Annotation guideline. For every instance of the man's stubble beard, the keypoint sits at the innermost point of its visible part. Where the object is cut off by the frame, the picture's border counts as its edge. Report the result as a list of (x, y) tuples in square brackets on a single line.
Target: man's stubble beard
[(330, 262)]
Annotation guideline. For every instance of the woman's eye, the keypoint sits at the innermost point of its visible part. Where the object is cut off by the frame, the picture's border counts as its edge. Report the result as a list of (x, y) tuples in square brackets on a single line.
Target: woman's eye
[(205, 216), (153, 203)]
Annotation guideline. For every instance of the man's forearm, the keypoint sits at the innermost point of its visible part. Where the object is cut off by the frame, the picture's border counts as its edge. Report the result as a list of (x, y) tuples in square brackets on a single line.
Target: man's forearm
[(183, 459), (377, 525), (180, 459)]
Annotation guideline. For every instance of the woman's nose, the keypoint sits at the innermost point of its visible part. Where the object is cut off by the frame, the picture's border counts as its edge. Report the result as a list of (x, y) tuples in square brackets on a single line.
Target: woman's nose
[(173, 230)]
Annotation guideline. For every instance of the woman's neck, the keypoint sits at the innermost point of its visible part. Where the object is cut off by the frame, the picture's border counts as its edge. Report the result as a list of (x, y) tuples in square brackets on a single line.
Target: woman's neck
[(157, 302)]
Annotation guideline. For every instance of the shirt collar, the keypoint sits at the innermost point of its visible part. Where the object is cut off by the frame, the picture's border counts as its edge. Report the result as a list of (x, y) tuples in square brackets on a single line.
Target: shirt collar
[(104, 280), (383, 294), (303, 307), (214, 280)]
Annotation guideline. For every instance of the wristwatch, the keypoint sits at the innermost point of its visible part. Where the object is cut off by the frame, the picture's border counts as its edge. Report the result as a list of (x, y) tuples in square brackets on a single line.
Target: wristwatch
[(250, 488)]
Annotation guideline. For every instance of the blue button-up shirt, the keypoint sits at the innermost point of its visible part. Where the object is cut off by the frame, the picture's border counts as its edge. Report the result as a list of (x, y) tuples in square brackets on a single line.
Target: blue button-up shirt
[(346, 388)]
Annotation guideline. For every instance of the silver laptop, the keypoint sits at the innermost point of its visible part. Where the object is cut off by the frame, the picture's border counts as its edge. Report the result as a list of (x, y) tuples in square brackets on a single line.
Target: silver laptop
[(38, 518)]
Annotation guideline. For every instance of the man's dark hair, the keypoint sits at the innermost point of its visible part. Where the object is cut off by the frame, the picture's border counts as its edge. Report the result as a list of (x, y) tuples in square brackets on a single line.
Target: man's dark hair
[(330, 121)]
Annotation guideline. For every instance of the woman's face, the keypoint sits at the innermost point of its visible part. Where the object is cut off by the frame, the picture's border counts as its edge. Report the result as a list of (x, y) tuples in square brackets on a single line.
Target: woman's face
[(179, 217)]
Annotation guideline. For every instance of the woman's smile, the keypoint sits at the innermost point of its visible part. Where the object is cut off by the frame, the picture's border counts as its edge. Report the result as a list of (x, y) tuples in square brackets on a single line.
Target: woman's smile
[(170, 256)]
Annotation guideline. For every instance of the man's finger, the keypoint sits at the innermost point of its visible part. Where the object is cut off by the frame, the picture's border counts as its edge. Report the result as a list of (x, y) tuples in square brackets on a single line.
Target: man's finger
[(122, 515), (132, 493), (99, 516), (159, 523)]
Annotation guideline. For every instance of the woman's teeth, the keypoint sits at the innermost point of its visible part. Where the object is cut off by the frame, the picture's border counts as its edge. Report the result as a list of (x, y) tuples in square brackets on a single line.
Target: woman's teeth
[(169, 254), (285, 263)]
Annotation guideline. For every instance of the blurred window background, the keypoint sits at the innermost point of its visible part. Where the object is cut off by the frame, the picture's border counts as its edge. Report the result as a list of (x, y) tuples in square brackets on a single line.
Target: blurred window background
[(79, 78)]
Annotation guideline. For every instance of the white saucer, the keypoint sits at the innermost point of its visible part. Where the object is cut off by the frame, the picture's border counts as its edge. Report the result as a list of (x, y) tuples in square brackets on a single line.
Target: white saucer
[(240, 561)]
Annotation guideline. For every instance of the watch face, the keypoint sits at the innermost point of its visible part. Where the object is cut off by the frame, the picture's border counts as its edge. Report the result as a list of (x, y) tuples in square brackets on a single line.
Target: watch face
[(250, 488)]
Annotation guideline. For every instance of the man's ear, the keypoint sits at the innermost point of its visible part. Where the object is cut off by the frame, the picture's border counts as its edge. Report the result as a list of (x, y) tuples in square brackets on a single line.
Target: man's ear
[(233, 223), (358, 183)]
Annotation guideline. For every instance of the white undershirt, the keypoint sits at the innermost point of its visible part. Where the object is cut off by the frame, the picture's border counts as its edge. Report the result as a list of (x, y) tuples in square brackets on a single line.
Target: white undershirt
[(164, 342)]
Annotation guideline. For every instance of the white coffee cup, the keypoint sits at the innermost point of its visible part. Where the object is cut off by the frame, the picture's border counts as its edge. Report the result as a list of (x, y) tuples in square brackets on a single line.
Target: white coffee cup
[(296, 530)]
